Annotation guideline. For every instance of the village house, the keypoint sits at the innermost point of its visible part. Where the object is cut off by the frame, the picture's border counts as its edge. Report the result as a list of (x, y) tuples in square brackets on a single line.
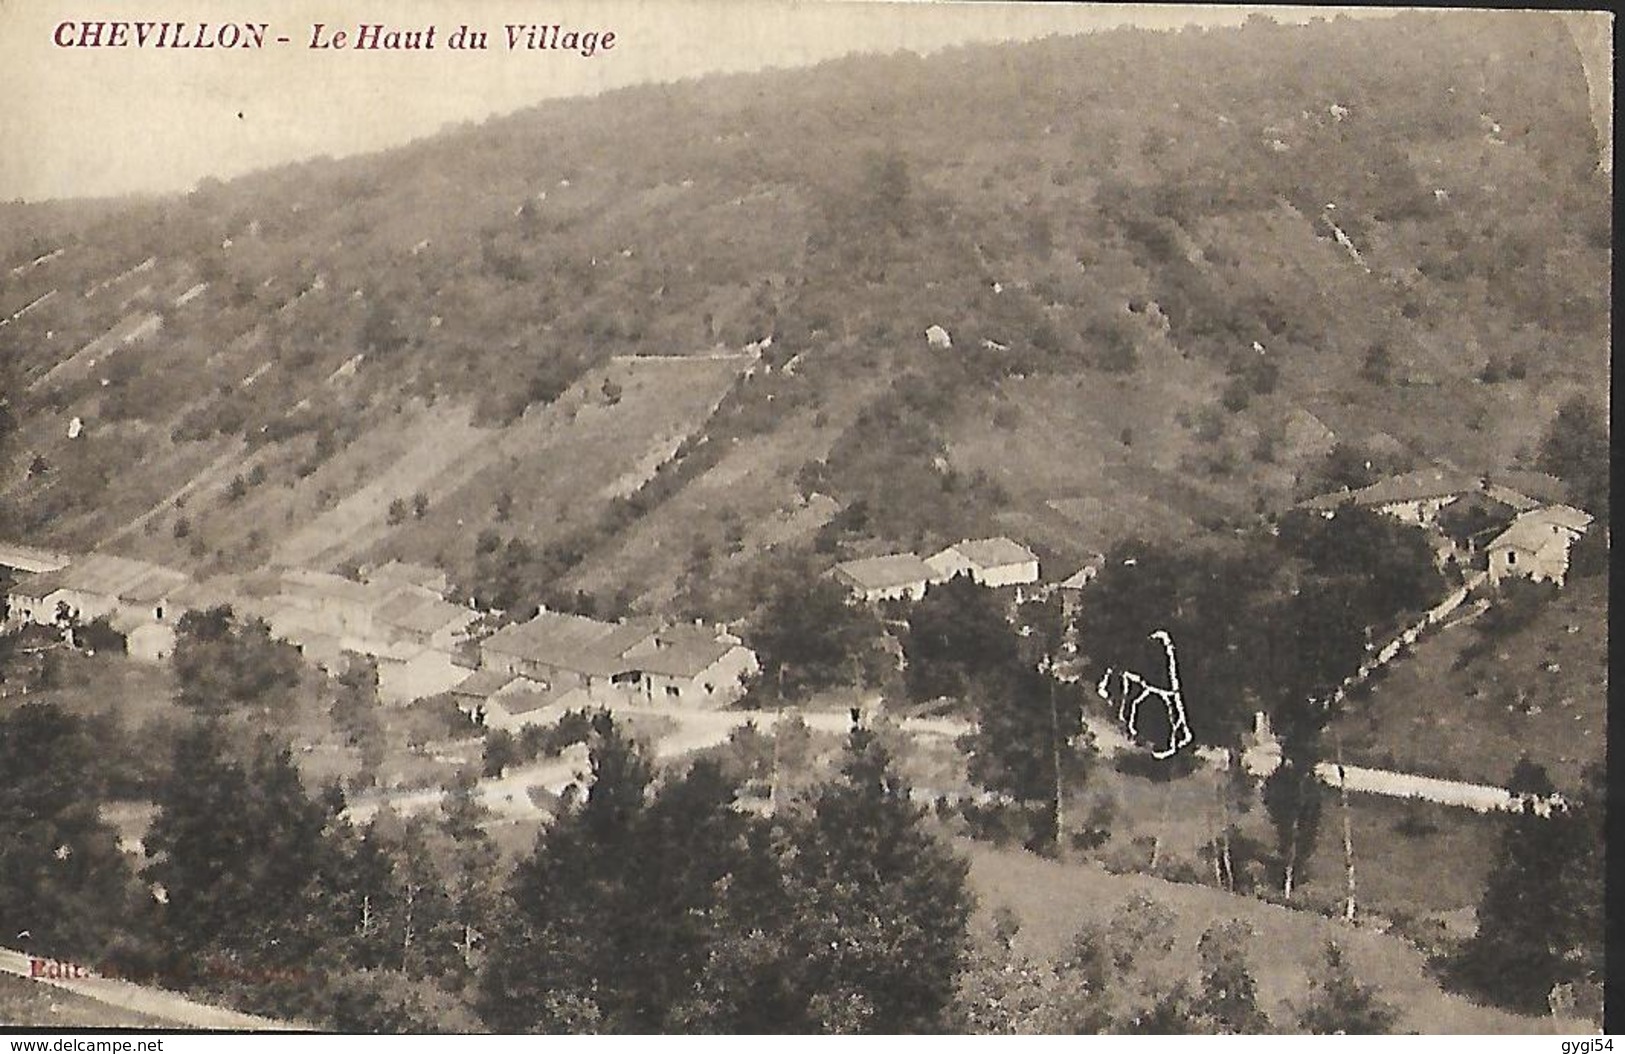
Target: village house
[(473, 693), (397, 617), (518, 704), (566, 652), (502, 701), (100, 585), (423, 619), (1413, 498), (691, 666), (327, 603), (133, 595), (430, 581), (27, 600), (588, 661), (407, 672), (898, 576), (1537, 545), (144, 640), (991, 562)]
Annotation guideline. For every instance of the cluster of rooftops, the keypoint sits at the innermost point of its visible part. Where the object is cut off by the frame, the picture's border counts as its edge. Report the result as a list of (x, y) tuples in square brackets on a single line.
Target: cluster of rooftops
[(399, 613)]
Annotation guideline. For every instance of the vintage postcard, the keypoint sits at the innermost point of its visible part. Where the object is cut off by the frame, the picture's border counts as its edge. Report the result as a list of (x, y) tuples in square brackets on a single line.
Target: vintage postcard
[(796, 516)]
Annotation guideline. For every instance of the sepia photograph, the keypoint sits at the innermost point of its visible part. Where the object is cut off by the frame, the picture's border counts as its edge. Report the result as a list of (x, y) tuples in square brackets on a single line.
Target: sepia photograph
[(803, 517)]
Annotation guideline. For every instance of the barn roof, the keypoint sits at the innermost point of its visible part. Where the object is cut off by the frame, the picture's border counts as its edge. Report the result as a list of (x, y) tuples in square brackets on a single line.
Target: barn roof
[(1085, 574), (1565, 516), (483, 683), (417, 613), (884, 572), (1535, 530), (38, 586), (1422, 485), (156, 585), (27, 558), (327, 586), (683, 651), (398, 571), (570, 642), (994, 552)]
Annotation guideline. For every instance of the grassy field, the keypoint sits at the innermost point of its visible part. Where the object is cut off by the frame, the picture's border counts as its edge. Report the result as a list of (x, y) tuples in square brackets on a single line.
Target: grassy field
[(1413, 860), (561, 464), (1053, 900), (741, 507), (1541, 690)]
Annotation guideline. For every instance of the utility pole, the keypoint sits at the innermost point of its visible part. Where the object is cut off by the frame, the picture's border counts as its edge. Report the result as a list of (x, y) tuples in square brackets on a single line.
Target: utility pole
[(1348, 836), (1055, 750), (773, 780)]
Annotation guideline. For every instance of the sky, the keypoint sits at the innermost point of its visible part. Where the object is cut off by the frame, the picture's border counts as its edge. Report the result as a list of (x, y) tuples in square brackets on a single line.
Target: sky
[(81, 122)]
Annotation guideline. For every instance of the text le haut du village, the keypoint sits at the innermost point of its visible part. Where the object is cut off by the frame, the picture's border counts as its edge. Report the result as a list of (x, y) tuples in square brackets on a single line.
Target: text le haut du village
[(322, 36)]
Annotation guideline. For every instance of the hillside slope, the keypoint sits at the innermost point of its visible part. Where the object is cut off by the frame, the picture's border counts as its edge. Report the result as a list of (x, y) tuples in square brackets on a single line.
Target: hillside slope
[(1176, 268)]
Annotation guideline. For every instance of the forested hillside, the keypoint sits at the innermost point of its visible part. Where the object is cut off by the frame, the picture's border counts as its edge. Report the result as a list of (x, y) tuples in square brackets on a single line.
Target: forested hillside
[(1187, 278)]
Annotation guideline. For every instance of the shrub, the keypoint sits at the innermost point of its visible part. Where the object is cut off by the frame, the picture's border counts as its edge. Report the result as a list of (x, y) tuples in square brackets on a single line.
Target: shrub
[(1159, 770)]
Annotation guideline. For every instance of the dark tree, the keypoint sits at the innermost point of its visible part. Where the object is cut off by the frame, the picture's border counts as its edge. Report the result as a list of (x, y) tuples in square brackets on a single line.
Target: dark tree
[(1340, 1004), (1380, 570), (1029, 741), (573, 905), (957, 637), (63, 878), (244, 856), (875, 924), (355, 704), (1532, 920), (1575, 449), (385, 1002), (809, 638), (1201, 597), (222, 664), (616, 913), (1292, 793), (1228, 993)]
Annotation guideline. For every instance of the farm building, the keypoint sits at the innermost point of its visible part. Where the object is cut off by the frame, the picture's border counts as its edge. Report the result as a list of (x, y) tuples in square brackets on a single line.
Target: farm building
[(478, 686), (329, 603), (691, 666), (29, 560), (991, 562), (895, 577), (423, 619), (1537, 545), (519, 706), (130, 592), (100, 585), (407, 672), (1414, 498), (1075, 582), (396, 617), (27, 601), (620, 662), (566, 652), (146, 641), (395, 574)]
